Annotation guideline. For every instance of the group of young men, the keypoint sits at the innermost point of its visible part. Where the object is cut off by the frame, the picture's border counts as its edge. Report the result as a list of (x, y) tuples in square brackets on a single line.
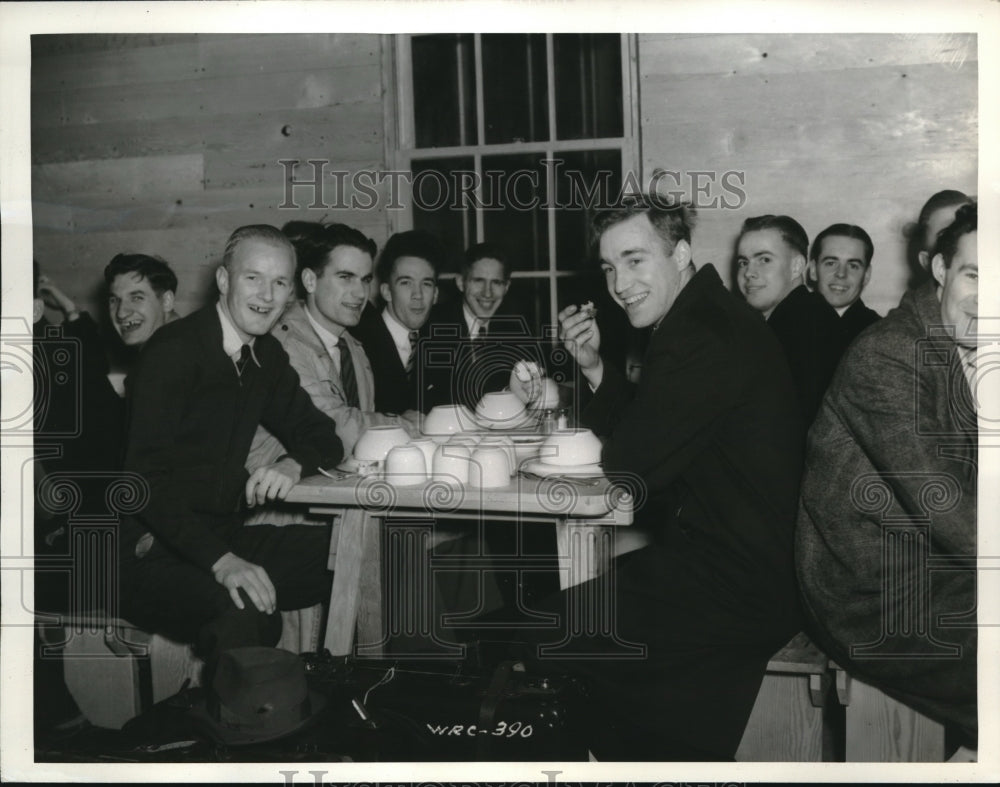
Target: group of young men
[(232, 405)]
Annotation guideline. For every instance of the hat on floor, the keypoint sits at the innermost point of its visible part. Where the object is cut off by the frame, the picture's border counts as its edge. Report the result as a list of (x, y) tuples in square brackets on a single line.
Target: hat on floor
[(257, 695)]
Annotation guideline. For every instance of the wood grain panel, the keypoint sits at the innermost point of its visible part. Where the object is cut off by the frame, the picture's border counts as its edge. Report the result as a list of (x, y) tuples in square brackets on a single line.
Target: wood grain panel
[(222, 55), (350, 132), (208, 98), (880, 729), (784, 725), (118, 178), (904, 93), (665, 57), (169, 62), (59, 44)]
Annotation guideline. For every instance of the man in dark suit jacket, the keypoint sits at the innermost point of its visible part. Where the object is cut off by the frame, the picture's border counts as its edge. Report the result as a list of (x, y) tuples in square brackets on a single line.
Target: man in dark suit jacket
[(840, 262), (407, 271), (770, 262), (203, 384), (886, 537), (711, 440)]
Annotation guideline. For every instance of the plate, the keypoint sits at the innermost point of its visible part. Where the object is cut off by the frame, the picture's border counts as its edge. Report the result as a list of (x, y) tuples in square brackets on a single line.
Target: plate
[(359, 466), (546, 469)]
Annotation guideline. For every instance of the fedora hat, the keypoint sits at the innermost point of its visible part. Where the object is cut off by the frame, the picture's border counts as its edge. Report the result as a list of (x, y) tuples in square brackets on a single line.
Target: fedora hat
[(257, 695)]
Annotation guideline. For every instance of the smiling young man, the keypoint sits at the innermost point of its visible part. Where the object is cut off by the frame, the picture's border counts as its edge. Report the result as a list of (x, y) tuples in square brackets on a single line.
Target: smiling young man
[(202, 386), (890, 485), (840, 262), (335, 269), (141, 292), (407, 272), (707, 439), (770, 265)]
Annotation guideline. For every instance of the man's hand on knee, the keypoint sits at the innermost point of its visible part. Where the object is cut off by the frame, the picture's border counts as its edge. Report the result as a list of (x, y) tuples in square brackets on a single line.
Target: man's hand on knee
[(234, 572), (273, 481)]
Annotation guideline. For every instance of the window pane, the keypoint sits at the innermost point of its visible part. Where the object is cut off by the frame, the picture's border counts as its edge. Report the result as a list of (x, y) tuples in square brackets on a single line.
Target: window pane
[(514, 193), (585, 181), (444, 90), (588, 78), (530, 299), (515, 88), (439, 205)]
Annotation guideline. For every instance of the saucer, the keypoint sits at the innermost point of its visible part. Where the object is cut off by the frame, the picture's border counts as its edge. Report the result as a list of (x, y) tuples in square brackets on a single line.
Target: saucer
[(359, 466), (546, 469)]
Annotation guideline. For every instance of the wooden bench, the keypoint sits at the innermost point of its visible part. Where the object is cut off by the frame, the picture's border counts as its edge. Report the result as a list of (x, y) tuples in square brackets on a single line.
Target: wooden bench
[(115, 670), (787, 721)]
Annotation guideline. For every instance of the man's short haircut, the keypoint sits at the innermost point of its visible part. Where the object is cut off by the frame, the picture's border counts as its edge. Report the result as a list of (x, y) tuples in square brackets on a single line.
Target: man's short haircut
[(485, 251), (412, 243), (316, 249), (843, 231), (942, 199), (672, 219), (966, 221), (790, 230), (261, 232), (155, 270)]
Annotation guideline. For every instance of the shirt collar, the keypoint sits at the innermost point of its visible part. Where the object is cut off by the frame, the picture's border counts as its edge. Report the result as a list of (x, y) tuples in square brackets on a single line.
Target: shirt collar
[(329, 339), (472, 322), (232, 344)]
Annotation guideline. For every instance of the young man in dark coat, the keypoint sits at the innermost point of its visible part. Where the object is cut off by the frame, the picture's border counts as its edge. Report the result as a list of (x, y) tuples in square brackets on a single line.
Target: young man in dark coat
[(203, 384), (771, 263), (712, 435), (840, 262), (886, 536), (407, 272)]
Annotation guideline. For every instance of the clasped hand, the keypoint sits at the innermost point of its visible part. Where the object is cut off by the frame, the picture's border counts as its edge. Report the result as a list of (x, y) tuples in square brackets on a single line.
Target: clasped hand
[(273, 481)]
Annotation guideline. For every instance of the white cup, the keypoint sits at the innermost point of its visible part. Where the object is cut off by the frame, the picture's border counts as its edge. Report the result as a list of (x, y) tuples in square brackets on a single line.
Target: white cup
[(428, 446), (405, 465), (451, 464), (505, 443), (489, 468)]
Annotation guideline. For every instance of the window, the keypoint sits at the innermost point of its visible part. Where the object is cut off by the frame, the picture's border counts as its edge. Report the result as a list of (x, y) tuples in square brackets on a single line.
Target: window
[(509, 138)]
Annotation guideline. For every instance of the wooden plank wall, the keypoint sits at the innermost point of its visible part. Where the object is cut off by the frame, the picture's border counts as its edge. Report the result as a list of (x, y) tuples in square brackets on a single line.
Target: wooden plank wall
[(164, 144), (827, 128)]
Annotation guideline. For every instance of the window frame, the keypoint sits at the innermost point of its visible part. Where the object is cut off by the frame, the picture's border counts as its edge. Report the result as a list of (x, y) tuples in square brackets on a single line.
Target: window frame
[(403, 153)]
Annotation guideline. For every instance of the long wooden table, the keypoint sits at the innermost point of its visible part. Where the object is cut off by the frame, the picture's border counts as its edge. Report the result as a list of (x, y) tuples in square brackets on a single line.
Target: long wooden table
[(591, 528)]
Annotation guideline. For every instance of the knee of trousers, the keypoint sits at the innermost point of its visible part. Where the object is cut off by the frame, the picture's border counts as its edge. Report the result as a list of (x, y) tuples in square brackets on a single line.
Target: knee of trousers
[(236, 628)]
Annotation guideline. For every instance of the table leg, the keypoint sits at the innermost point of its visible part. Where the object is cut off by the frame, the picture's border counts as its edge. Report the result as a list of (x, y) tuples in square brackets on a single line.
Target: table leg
[(352, 562)]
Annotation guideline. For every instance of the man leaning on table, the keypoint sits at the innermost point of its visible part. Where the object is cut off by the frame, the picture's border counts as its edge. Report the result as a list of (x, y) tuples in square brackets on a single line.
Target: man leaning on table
[(335, 268), (203, 384), (712, 435)]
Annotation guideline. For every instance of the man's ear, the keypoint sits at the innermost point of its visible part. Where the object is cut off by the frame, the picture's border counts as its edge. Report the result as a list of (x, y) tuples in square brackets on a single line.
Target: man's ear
[(222, 280), (167, 300), (938, 269), (37, 309), (386, 291), (798, 265), (682, 254), (811, 277), (924, 258), (460, 283), (435, 298), (309, 280), (868, 275)]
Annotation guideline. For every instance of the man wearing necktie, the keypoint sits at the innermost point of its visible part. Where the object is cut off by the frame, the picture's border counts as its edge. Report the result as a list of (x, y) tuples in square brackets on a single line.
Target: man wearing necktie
[(202, 386), (336, 271)]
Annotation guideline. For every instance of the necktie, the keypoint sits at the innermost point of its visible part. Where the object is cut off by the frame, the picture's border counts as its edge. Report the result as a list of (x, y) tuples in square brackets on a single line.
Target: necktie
[(347, 376), (412, 359), (241, 364)]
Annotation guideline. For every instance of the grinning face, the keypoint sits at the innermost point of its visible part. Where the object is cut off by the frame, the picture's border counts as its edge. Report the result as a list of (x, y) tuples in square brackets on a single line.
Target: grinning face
[(959, 290), (257, 286), (483, 287), (641, 277), (841, 270), (410, 291), (135, 308), (767, 269), (337, 296)]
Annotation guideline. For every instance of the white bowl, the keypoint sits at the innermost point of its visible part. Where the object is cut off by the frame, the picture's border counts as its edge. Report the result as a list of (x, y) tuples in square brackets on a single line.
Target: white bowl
[(451, 464), (488, 468), (500, 409), (376, 442), (448, 419), (569, 447), (526, 448), (405, 465)]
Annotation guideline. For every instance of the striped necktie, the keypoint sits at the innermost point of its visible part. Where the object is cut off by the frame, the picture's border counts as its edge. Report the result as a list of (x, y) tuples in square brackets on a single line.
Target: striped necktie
[(347, 375), (412, 359)]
